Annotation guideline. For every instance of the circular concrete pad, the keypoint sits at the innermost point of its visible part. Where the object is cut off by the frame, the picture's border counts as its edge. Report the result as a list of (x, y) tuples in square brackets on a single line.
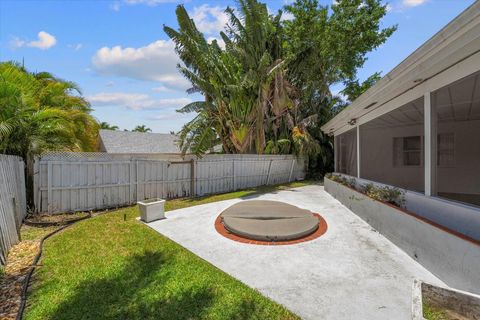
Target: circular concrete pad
[(268, 220)]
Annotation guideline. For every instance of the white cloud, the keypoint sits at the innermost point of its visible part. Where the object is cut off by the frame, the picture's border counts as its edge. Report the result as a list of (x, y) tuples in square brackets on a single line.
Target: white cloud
[(287, 16), (413, 3), (151, 3), (172, 116), (156, 61), (45, 41), (220, 41), (136, 101), (161, 89), (116, 5), (17, 43), (403, 5), (75, 47), (209, 19)]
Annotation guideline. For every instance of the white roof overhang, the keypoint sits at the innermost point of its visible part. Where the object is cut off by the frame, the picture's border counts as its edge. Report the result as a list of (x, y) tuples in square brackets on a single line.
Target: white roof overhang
[(456, 42)]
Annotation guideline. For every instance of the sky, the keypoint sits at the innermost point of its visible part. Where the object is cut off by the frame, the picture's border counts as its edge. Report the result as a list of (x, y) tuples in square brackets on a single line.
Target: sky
[(118, 54)]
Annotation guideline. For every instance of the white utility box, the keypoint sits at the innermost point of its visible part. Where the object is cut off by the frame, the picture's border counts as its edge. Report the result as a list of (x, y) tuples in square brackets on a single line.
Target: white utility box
[(152, 209)]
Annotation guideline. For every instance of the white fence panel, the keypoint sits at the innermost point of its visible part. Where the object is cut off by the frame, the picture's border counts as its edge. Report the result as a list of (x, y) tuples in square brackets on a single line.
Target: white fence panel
[(67, 182), (13, 207)]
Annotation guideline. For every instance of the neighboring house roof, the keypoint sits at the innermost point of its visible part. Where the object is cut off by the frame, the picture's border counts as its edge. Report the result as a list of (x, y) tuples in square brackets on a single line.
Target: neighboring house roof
[(137, 142), (456, 42)]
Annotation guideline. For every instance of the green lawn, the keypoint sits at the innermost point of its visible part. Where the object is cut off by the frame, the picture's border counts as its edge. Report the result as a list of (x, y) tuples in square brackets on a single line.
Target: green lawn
[(108, 268)]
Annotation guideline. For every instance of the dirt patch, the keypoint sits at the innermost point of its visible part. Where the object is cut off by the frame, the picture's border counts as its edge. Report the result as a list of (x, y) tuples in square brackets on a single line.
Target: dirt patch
[(55, 219)]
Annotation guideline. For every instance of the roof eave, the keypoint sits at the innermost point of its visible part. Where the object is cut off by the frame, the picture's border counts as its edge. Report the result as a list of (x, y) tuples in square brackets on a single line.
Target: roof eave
[(416, 67)]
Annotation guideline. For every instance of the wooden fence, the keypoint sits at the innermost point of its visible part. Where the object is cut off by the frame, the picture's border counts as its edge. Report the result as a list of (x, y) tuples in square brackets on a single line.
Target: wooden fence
[(13, 206), (66, 182)]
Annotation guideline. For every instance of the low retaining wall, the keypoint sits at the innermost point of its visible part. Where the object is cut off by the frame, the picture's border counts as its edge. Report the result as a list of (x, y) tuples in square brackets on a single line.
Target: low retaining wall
[(452, 258), (464, 304), (453, 215)]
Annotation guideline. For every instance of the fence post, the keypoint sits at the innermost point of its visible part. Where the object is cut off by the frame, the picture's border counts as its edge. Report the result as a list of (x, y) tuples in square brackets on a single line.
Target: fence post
[(131, 186), (49, 187), (35, 178), (23, 190), (192, 178), (233, 175), (291, 170), (136, 180), (268, 175), (16, 214)]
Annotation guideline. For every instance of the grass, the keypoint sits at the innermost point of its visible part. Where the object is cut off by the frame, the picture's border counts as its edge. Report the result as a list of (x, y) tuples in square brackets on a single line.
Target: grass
[(34, 233), (108, 268), (188, 202), (432, 313)]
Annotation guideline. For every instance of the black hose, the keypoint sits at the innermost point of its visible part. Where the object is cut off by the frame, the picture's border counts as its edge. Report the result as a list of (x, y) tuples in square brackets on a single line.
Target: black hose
[(26, 282)]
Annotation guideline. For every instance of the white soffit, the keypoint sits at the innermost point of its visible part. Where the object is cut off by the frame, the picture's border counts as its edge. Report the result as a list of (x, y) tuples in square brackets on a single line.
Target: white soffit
[(457, 41)]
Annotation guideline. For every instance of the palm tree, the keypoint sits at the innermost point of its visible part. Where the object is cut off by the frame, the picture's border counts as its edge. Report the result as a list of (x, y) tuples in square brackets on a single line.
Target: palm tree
[(249, 103), (141, 128), (40, 112), (107, 126)]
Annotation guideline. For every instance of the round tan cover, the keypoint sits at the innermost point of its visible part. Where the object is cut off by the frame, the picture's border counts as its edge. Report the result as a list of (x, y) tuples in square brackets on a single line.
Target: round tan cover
[(268, 220)]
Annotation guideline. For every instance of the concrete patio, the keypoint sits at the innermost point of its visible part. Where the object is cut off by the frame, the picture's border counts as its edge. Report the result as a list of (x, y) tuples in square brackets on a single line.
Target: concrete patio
[(350, 272)]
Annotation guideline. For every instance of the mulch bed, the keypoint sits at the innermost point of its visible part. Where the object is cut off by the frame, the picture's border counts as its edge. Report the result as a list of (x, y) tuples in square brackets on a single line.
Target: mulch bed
[(19, 262), (21, 256)]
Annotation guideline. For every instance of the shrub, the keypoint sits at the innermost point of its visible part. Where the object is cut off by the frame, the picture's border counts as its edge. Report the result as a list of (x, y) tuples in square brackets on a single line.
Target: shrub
[(352, 183), (349, 182), (390, 195)]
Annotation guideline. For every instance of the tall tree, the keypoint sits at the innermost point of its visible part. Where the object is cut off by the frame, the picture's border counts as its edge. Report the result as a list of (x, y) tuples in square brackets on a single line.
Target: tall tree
[(268, 90), (249, 104), (326, 46)]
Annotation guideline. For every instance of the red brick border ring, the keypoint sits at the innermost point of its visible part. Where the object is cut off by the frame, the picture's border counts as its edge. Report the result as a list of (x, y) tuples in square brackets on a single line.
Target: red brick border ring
[(322, 228)]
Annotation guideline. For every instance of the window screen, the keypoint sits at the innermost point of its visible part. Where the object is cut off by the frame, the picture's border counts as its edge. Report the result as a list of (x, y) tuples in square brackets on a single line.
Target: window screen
[(346, 152), (407, 151), (391, 147), (446, 149)]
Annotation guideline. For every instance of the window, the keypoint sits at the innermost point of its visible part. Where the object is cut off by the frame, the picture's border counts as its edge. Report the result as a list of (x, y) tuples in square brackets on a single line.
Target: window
[(407, 151), (446, 149)]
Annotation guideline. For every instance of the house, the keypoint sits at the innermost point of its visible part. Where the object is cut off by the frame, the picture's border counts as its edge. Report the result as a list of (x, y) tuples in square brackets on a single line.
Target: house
[(418, 128), (112, 141)]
